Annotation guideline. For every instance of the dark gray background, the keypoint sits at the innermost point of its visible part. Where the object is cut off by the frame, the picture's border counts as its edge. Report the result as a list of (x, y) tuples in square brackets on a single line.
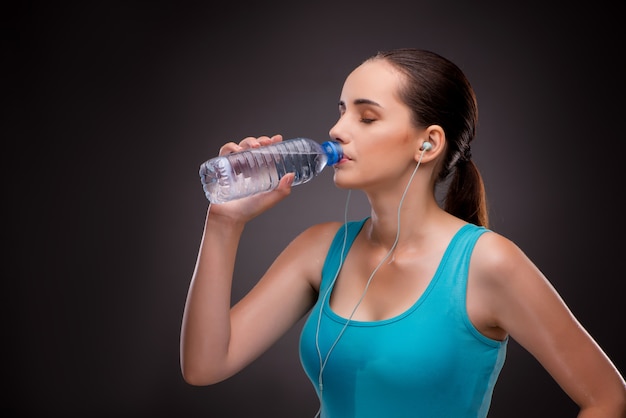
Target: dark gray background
[(110, 108)]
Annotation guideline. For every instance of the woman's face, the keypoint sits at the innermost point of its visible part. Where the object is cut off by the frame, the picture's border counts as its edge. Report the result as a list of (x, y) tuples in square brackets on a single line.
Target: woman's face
[(375, 129)]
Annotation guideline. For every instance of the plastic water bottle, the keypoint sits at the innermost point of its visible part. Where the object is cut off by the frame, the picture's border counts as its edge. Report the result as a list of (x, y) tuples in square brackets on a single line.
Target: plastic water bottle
[(257, 170)]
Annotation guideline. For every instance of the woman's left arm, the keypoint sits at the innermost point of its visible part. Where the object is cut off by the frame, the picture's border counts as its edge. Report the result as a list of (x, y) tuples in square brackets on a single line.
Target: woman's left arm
[(525, 305)]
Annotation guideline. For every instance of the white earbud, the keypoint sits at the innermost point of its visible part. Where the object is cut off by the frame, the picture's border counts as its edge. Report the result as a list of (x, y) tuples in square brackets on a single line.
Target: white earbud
[(426, 146)]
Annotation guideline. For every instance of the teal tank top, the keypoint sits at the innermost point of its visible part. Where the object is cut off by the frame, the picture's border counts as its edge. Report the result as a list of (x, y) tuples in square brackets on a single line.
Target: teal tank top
[(427, 362)]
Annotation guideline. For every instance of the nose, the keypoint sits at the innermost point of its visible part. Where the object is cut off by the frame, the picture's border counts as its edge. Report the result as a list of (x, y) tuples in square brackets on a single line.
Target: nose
[(336, 132)]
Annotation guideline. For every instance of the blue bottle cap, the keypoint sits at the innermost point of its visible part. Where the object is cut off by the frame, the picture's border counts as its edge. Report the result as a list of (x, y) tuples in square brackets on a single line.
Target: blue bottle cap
[(333, 152)]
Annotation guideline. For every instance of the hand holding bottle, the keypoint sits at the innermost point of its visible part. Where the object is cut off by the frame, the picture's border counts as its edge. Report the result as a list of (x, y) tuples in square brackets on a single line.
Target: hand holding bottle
[(245, 209)]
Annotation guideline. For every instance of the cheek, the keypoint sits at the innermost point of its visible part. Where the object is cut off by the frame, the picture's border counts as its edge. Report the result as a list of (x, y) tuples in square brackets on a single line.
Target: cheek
[(397, 151), (392, 137)]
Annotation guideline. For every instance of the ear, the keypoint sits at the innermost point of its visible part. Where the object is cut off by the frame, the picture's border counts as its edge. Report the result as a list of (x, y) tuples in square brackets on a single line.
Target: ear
[(436, 137)]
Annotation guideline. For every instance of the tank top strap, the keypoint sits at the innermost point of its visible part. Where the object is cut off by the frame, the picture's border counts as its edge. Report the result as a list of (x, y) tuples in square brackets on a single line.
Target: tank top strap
[(454, 268), (338, 250)]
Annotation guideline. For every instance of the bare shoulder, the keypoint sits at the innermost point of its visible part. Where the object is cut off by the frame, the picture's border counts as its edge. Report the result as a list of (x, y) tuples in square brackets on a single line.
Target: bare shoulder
[(497, 258), (507, 284), (318, 236), (307, 251), (314, 240)]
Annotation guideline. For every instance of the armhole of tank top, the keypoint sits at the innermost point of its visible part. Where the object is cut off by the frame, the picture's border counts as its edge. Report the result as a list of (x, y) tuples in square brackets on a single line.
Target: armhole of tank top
[(477, 233)]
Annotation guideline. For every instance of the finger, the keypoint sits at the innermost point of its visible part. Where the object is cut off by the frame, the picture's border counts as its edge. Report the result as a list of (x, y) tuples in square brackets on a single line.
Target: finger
[(286, 183), (276, 138), (246, 143), (283, 190), (229, 148), (264, 140), (267, 140), (251, 142)]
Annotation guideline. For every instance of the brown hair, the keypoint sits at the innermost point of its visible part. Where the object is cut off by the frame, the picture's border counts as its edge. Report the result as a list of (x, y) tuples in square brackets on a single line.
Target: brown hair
[(438, 93)]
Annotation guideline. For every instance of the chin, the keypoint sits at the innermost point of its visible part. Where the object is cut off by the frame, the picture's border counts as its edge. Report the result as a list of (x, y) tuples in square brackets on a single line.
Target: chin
[(346, 184)]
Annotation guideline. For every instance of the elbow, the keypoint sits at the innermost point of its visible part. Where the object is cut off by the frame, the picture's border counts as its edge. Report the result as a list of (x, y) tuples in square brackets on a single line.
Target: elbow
[(197, 379), (196, 376), (202, 367), (199, 369), (194, 379), (613, 405), (618, 404), (620, 407)]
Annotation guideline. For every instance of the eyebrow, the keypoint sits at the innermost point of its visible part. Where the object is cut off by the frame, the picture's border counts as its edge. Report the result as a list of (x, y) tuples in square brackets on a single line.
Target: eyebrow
[(360, 102)]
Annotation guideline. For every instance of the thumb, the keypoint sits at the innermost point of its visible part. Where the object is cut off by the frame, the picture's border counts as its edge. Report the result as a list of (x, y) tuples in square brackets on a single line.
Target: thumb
[(286, 183)]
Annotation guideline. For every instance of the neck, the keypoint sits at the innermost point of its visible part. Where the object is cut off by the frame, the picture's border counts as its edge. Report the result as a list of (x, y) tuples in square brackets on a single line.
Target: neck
[(400, 210), (416, 214)]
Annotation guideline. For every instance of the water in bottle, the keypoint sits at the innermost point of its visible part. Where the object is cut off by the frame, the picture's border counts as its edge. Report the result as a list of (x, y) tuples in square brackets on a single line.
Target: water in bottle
[(257, 170)]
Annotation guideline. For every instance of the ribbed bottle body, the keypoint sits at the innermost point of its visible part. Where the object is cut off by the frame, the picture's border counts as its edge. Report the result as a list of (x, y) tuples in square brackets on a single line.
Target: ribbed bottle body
[(257, 170)]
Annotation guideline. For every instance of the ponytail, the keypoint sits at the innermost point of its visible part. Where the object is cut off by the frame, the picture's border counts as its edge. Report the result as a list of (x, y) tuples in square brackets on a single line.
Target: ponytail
[(466, 197)]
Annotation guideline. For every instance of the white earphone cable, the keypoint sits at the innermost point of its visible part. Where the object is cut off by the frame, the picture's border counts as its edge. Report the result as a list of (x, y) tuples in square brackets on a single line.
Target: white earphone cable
[(369, 280)]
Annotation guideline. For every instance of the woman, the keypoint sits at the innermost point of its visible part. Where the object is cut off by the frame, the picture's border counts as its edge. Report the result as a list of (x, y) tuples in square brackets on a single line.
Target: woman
[(411, 308)]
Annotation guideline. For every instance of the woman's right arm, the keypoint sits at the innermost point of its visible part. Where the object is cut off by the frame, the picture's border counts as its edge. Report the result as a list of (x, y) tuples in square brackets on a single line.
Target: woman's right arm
[(218, 340), (205, 331)]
